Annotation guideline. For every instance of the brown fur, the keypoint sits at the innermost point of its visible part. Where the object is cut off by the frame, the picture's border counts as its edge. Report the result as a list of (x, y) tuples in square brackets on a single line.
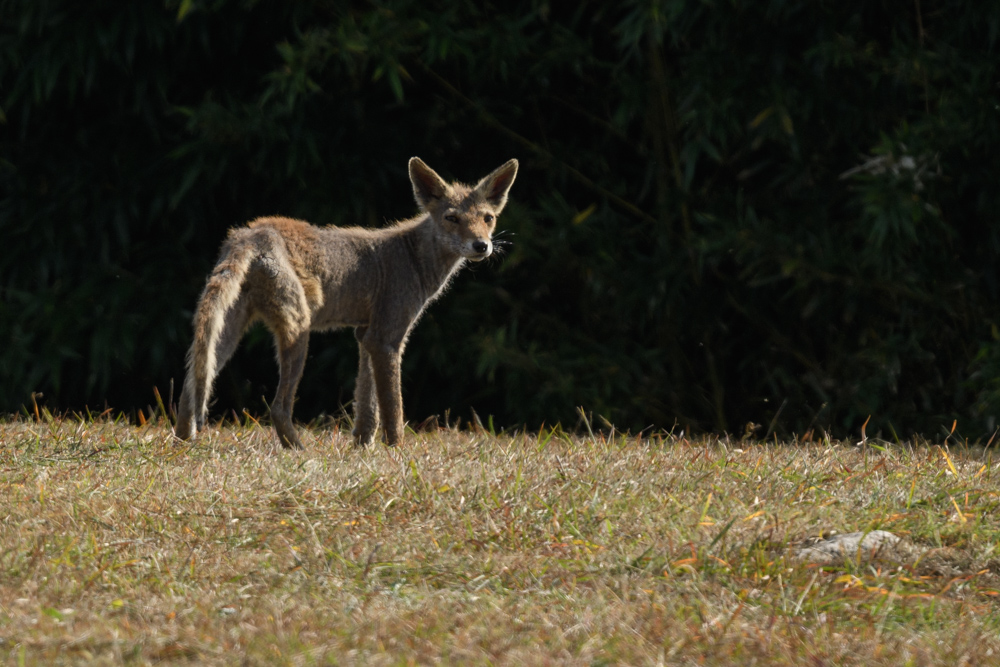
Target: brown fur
[(298, 278)]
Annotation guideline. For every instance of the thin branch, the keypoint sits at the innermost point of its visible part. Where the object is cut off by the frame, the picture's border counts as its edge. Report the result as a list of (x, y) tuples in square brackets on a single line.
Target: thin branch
[(923, 67), (596, 120), (669, 129), (491, 120)]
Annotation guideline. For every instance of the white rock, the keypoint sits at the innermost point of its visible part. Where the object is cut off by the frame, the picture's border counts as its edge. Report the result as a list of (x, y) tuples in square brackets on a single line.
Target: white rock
[(877, 544)]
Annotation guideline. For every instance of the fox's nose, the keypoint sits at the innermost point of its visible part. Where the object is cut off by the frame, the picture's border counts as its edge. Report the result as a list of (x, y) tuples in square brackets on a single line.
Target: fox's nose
[(480, 246)]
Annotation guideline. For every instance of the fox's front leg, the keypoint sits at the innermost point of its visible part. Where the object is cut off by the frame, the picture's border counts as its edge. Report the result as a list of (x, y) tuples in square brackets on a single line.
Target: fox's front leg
[(365, 412), (385, 360)]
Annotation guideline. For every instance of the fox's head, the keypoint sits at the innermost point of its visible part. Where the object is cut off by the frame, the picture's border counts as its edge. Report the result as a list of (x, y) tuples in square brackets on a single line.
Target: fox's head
[(464, 216)]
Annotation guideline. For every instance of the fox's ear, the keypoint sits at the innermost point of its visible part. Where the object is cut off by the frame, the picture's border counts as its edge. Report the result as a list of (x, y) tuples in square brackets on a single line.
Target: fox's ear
[(496, 186), (427, 185)]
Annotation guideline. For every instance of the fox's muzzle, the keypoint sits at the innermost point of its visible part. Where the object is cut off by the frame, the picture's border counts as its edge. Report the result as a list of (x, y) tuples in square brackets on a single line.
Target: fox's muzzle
[(481, 249)]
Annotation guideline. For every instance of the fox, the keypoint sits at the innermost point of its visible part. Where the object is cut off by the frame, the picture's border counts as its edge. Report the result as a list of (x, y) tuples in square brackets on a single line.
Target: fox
[(296, 278)]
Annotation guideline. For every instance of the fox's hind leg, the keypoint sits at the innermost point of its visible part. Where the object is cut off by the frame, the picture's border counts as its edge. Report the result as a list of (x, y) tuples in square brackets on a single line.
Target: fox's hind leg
[(291, 361), (365, 407), (287, 315), (186, 426)]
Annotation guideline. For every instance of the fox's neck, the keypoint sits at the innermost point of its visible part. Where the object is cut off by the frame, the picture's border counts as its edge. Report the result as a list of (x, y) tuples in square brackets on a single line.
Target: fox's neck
[(435, 263)]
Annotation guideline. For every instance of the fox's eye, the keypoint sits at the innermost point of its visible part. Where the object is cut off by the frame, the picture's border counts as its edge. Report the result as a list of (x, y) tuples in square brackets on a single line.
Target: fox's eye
[(488, 218), (451, 218)]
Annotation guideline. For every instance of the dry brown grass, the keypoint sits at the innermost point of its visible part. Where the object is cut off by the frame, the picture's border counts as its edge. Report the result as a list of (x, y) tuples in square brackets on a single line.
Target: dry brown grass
[(120, 545)]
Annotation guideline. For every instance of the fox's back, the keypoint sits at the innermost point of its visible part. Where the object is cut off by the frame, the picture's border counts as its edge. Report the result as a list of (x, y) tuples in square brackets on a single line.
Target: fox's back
[(341, 269)]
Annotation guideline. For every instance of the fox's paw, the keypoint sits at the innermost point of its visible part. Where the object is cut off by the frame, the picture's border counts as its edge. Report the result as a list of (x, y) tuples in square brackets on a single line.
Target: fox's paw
[(363, 437), (289, 439), (185, 429), (393, 437)]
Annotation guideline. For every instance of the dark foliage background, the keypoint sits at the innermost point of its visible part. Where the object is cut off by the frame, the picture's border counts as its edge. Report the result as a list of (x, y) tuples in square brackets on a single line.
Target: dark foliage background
[(728, 212)]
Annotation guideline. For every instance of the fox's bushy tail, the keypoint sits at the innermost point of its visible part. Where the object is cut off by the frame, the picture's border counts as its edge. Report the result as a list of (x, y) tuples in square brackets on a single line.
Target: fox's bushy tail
[(220, 294)]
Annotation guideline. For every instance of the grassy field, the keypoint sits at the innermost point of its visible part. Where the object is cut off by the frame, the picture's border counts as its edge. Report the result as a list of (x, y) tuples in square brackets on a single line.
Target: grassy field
[(120, 545)]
